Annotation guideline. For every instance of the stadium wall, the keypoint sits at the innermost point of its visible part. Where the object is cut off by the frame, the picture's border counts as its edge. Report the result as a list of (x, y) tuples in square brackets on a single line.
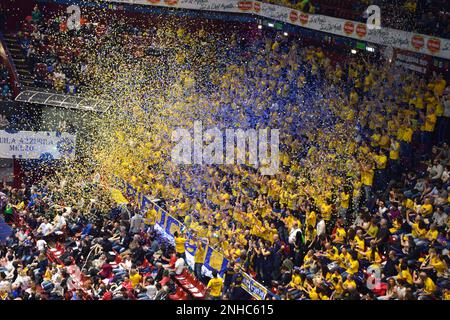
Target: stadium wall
[(414, 42), (339, 46)]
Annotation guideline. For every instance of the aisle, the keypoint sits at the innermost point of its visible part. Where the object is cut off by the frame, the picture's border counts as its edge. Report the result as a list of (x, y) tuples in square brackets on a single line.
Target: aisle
[(5, 230)]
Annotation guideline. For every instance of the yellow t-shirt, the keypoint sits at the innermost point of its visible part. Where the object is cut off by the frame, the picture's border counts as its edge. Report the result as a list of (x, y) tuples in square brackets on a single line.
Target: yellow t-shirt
[(349, 283), (215, 284), (296, 281), (375, 140), (427, 209), (135, 279), (359, 242), (372, 231), (369, 256), (340, 235), (394, 152), (438, 265), (353, 98), (367, 177), (406, 134), (406, 275), (432, 235), (345, 200), (417, 232), (343, 259), (381, 161), (199, 256), (326, 212), (409, 204), (447, 296), (151, 216), (430, 122), (353, 268), (311, 219), (179, 244), (429, 286), (384, 142), (439, 87)]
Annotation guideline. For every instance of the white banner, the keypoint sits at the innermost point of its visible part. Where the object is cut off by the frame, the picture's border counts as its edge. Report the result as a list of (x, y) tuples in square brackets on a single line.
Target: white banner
[(410, 41), (36, 145), (412, 61)]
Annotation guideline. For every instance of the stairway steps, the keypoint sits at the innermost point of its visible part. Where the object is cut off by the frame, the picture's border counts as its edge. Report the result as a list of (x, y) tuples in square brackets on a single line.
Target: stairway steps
[(20, 71), (26, 78), (21, 66)]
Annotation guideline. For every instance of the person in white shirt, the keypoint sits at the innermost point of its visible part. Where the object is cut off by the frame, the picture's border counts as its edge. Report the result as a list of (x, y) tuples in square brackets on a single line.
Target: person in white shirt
[(293, 233), (137, 223), (5, 285), (320, 228), (23, 281), (436, 170), (45, 228), (59, 222), (179, 265), (123, 267), (41, 244), (7, 267), (439, 217), (381, 208), (151, 289)]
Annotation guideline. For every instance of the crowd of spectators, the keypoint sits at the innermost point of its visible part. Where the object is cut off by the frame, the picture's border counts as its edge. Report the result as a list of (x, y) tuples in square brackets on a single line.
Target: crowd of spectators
[(63, 66), (61, 58), (430, 17), (368, 131)]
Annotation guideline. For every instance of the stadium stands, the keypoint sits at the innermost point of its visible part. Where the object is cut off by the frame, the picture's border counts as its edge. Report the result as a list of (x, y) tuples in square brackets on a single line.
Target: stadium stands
[(362, 193)]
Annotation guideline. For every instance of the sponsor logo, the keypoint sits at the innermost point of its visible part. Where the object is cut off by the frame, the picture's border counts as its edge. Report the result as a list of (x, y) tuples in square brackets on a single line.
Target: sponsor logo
[(349, 27), (417, 42), (304, 18), (361, 30), (434, 45), (245, 5), (257, 6), (171, 2), (293, 16)]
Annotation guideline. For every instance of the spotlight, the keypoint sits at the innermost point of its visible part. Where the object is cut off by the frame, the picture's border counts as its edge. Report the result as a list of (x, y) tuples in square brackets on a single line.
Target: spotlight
[(353, 51), (370, 49), (260, 26), (271, 25), (285, 34)]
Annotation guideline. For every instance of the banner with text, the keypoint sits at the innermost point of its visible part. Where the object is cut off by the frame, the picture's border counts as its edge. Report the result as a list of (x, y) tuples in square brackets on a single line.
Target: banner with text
[(412, 61), (410, 41), (253, 287)]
